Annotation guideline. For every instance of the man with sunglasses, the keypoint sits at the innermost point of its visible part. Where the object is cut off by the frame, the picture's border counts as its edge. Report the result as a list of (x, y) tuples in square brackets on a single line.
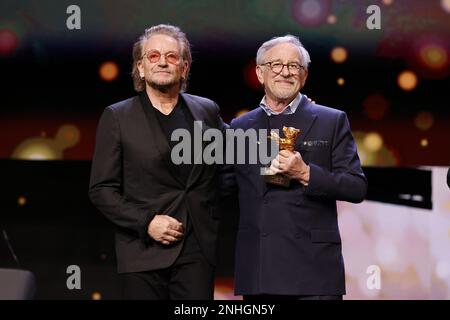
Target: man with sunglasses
[(288, 244), (165, 214)]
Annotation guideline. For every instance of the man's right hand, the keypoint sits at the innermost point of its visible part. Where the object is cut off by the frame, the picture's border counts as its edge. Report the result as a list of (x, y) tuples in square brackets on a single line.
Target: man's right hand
[(165, 229)]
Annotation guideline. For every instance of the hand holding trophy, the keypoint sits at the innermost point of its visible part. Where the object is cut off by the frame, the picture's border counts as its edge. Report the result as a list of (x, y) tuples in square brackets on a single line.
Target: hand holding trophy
[(286, 143)]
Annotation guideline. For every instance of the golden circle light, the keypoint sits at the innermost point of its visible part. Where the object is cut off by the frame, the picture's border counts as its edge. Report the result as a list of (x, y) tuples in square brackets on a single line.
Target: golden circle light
[(96, 296), (407, 80), (424, 143), (21, 201), (373, 141), (108, 71), (339, 54)]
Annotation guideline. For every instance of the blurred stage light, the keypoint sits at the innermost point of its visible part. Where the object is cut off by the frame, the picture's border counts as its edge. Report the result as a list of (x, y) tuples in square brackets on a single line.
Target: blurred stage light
[(45, 148), (407, 80), (424, 120), (376, 106), (424, 143), (8, 42), (36, 149), (339, 54), (241, 113), (433, 56), (67, 136), (331, 19), (340, 81), (96, 296), (310, 12), (108, 71), (446, 5), (250, 76), (21, 201), (387, 2), (373, 141)]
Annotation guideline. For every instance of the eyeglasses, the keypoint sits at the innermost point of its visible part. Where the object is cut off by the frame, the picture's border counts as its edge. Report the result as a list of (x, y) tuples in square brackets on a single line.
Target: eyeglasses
[(277, 67), (154, 56)]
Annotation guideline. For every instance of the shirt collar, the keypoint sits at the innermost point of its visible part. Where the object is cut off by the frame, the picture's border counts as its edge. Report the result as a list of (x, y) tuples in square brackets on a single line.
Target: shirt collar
[(289, 109)]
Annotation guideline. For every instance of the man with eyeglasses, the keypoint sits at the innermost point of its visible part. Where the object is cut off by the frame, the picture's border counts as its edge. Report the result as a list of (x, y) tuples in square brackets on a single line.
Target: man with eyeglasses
[(165, 217), (288, 244)]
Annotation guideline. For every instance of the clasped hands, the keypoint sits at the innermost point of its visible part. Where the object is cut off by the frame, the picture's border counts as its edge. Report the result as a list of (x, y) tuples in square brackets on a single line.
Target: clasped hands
[(165, 229), (292, 165)]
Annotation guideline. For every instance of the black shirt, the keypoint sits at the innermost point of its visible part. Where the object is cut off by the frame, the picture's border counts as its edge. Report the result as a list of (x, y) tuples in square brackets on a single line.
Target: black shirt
[(179, 118)]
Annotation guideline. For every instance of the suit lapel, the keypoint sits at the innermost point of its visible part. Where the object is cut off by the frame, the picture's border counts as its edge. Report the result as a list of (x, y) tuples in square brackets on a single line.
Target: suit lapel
[(198, 113), (157, 135), (304, 118), (259, 121)]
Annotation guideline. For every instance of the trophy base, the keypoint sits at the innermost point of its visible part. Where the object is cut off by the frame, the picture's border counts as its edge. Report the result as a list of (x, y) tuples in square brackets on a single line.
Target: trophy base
[(278, 179)]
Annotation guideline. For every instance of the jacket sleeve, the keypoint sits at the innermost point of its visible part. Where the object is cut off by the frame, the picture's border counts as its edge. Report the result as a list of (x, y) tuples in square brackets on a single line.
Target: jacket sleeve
[(345, 181), (106, 182), (227, 178)]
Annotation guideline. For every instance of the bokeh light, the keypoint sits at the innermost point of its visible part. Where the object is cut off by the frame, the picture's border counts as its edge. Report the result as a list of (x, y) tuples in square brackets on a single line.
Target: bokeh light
[(373, 141), (36, 149), (424, 143), (311, 13), (433, 56), (67, 136), (407, 80), (376, 106), (387, 2), (446, 5), (339, 54), (340, 81), (424, 120), (47, 148), (108, 71), (8, 42), (96, 296), (21, 201), (250, 77), (331, 19)]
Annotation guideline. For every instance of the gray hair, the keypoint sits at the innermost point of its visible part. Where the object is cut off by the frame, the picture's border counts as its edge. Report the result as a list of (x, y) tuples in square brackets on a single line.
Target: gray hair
[(168, 30), (279, 40)]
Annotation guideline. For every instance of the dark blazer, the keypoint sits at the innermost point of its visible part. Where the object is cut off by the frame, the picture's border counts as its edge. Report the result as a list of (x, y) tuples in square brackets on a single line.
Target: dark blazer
[(131, 181), (288, 240)]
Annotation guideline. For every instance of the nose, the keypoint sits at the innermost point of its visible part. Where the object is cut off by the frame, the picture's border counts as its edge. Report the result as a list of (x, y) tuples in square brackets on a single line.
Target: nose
[(285, 71), (162, 60)]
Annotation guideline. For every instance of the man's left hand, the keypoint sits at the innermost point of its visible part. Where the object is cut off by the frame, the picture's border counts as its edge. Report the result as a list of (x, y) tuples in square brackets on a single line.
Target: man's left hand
[(292, 165)]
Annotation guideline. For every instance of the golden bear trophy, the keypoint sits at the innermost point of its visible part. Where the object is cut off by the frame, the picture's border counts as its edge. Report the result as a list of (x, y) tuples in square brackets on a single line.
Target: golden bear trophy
[(286, 143)]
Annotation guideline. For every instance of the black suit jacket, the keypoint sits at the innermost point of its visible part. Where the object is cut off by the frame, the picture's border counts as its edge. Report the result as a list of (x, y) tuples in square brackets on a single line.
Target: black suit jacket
[(131, 181), (288, 240)]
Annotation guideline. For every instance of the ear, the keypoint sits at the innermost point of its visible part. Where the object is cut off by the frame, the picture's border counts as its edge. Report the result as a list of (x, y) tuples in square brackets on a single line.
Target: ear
[(184, 69), (260, 74), (140, 68), (304, 78)]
